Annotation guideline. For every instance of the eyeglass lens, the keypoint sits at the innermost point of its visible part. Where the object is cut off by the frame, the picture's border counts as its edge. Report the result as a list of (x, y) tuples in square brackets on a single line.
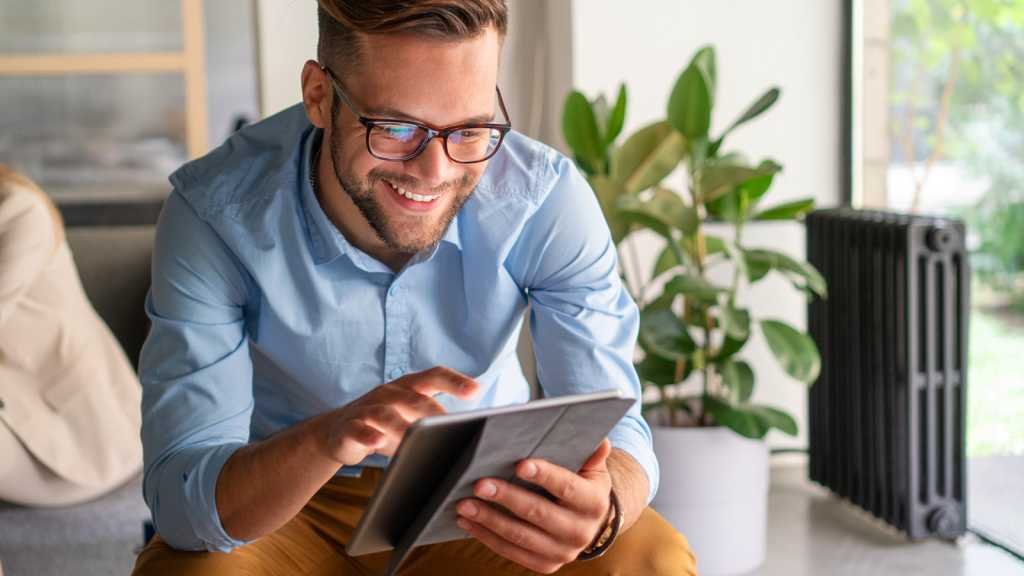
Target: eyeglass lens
[(396, 140)]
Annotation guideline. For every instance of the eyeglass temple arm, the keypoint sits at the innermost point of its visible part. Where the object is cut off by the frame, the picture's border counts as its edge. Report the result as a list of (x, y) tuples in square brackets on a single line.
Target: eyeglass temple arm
[(338, 90), (501, 104)]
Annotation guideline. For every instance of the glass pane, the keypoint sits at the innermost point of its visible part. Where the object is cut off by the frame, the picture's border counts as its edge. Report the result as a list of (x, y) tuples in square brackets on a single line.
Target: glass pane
[(68, 26), (94, 136), (956, 138)]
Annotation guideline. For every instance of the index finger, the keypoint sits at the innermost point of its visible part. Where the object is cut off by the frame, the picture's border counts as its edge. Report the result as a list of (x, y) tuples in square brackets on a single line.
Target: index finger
[(440, 379)]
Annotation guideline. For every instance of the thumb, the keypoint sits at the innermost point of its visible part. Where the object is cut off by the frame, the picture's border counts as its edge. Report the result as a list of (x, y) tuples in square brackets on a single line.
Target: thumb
[(597, 460)]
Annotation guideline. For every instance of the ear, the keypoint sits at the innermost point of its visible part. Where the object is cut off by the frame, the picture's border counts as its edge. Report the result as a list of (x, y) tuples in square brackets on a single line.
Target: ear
[(316, 94)]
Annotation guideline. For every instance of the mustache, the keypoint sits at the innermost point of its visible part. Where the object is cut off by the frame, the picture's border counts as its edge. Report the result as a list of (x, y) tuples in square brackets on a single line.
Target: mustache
[(414, 185)]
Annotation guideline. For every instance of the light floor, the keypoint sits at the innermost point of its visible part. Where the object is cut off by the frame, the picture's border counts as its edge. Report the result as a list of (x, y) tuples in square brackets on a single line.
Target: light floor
[(811, 532)]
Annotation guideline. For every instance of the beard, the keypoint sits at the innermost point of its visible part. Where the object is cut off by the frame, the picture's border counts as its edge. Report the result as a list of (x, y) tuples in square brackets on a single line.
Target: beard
[(410, 235)]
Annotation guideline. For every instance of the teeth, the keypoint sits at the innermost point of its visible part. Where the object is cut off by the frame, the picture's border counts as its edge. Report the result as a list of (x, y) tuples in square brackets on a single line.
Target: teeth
[(411, 196)]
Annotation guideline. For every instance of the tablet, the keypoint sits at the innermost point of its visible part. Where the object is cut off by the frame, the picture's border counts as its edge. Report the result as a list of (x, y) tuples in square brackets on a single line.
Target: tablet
[(440, 457)]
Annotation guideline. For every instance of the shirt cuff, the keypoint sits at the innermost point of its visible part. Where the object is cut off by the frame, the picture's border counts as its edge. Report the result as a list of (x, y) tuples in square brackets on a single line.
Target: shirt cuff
[(635, 439), (200, 499)]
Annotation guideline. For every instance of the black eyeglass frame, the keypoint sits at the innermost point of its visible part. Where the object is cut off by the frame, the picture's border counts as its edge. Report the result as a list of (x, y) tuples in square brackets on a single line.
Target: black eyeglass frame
[(443, 133)]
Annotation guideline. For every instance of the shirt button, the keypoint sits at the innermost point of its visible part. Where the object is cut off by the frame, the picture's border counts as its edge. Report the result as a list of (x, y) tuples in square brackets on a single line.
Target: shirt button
[(395, 373)]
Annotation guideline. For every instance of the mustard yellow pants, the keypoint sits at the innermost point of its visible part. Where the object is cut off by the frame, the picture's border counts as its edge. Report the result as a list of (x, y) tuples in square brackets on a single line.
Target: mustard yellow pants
[(313, 543)]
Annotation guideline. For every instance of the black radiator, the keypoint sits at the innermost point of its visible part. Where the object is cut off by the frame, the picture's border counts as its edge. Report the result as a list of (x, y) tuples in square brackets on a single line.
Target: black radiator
[(886, 417)]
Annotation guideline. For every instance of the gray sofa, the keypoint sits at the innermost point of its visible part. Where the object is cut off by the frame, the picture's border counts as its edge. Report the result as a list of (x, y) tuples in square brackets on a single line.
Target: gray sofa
[(103, 536)]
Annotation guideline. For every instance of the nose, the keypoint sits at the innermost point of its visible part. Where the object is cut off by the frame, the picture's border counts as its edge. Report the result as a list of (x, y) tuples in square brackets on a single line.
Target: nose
[(432, 166)]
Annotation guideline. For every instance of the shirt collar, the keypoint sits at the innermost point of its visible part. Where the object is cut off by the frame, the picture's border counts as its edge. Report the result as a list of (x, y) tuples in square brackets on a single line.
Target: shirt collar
[(325, 240)]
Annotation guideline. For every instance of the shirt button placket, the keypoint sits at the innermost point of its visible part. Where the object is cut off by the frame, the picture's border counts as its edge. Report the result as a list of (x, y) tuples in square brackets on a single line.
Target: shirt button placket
[(395, 333)]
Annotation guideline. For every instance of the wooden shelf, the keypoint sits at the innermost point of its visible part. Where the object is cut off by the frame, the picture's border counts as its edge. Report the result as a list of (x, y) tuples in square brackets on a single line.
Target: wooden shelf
[(111, 63), (190, 63)]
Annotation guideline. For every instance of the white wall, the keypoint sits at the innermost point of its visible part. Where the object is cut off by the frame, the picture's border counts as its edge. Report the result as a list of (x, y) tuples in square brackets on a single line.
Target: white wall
[(287, 38), (794, 44)]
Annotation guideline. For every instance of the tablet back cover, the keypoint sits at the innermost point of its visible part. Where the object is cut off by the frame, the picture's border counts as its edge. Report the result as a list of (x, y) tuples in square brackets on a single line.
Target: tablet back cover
[(563, 435)]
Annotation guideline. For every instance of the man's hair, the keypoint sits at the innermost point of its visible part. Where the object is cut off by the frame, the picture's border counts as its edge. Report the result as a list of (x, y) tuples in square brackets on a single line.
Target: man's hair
[(341, 22)]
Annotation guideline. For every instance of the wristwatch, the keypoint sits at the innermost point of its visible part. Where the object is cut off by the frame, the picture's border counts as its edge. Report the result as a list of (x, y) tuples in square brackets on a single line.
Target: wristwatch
[(612, 525)]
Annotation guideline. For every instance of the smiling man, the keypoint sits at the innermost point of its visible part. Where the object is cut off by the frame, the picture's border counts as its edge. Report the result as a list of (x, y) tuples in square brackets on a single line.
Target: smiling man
[(341, 269)]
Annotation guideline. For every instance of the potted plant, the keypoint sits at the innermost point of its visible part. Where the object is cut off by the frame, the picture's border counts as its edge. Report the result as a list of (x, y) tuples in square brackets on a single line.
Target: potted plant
[(708, 435)]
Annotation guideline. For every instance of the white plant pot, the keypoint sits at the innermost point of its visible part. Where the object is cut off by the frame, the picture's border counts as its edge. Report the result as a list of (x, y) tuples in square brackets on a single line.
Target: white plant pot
[(714, 489)]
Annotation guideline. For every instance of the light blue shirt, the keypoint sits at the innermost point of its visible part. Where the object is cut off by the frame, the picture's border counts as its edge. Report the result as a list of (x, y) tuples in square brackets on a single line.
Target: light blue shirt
[(264, 315)]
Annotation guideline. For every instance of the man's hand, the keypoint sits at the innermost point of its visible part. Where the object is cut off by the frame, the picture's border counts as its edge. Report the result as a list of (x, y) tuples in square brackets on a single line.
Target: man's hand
[(296, 462), (531, 530), (376, 422)]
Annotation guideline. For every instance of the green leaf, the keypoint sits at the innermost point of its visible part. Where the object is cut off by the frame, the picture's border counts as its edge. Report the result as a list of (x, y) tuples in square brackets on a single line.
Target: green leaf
[(664, 212), (579, 126), (739, 377), (586, 166), (735, 205), (740, 421), (774, 418), (721, 176), (600, 107), (648, 156), (766, 101), (689, 105), (752, 421), (617, 118), (737, 321), (730, 346), (662, 302), (705, 60), (694, 287), (608, 193), (683, 404), (663, 371), (787, 211), (664, 334), (801, 274), (755, 268), (713, 245), (756, 188), (795, 352), (667, 260)]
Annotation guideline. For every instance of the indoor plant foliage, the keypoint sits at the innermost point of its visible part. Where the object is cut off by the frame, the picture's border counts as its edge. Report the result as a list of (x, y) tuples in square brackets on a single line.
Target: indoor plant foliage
[(691, 325)]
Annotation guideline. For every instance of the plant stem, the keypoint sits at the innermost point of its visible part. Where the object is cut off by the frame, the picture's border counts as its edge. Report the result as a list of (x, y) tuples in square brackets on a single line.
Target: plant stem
[(699, 257)]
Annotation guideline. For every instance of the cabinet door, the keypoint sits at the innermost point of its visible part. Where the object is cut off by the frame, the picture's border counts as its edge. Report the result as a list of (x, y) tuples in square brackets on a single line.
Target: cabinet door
[(93, 26), (100, 136)]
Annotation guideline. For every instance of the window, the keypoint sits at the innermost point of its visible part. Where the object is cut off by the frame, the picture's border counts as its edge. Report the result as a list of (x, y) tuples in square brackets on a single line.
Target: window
[(940, 129)]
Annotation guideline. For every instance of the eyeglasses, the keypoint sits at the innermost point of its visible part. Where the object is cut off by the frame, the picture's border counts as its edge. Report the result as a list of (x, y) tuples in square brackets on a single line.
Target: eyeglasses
[(399, 140)]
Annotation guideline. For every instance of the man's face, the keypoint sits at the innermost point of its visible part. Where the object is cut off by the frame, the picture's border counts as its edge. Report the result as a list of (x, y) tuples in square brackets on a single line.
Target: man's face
[(403, 77)]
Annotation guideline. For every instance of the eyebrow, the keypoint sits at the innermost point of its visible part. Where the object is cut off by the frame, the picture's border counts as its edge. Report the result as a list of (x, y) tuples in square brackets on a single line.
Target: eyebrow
[(396, 114)]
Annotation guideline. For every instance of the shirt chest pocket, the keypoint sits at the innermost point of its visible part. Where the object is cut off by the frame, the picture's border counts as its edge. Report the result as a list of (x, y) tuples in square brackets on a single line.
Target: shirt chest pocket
[(346, 343), (333, 350)]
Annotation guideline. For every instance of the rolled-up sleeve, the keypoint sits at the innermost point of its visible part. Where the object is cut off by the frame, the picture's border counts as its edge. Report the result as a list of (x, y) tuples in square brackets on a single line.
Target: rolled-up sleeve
[(583, 323), (196, 375)]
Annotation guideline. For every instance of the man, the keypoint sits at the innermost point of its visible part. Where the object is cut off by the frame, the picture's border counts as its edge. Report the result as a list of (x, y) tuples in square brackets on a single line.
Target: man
[(334, 273)]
